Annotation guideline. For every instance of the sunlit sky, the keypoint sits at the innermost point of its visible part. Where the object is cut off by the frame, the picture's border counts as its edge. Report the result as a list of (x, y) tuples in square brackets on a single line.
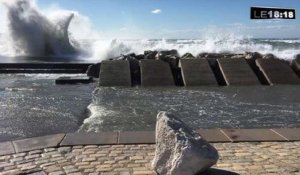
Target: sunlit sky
[(180, 18)]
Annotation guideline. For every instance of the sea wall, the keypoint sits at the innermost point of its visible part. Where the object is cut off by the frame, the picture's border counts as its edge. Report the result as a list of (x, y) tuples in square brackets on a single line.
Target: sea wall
[(166, 68)]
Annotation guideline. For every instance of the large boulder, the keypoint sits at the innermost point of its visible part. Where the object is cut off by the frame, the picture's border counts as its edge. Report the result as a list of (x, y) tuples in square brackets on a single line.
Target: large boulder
[(179, 150), (269, 56), (253, 55), (148, 54), (188, 56), (169, 56)]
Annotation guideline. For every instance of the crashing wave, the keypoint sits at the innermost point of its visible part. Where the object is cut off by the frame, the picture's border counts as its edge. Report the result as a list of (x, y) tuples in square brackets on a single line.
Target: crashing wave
[(33, 34)]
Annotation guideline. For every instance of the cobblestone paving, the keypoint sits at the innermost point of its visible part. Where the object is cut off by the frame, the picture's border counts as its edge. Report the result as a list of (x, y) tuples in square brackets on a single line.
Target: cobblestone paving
[(243, 158)]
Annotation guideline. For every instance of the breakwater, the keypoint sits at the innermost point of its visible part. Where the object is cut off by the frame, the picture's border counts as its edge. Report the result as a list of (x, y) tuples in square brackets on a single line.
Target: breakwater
[(167, 69)]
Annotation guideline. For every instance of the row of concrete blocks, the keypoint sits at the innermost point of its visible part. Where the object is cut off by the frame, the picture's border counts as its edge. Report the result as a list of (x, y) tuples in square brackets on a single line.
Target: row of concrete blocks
[(198, 72)]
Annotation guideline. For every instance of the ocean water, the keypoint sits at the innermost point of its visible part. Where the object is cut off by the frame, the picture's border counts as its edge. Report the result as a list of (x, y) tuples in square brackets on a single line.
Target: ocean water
[(128, 109), (32, 105)]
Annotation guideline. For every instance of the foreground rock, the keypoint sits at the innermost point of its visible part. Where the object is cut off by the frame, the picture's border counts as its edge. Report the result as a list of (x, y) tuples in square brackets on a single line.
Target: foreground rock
[(180, 151)]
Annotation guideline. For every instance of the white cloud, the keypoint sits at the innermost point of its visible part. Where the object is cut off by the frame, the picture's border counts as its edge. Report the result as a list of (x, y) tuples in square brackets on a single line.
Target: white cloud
[(156, 11), (123, 29)]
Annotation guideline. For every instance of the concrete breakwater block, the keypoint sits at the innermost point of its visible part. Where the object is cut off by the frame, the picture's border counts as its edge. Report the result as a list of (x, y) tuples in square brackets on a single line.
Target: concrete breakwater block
[(156, 73), (115, 73), (236, 71), (73, 80), (277, 71), (197, 72)]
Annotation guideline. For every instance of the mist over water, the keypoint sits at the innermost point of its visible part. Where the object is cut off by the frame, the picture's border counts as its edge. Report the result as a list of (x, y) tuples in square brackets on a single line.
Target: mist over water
[(31, 31)]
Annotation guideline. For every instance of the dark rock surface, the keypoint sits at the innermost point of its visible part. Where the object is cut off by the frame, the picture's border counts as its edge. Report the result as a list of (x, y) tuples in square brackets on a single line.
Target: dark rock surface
[(93, 70), (188, 56)]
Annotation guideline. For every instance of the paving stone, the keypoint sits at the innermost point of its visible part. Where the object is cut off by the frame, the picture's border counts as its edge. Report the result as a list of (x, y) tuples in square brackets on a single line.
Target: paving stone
[(242, 157), (252, 135), (277, 71), (11, 172), (156, 73), (6, 148), (213, 135), (71, 170), (292, 134), (35, 152), (143, 173), (90, 138), (237, 72), (115, 73), (76, 173), (32, 156), (38, 143), (64, 150), (57, 173), (6, 164), (20, 155), (197, 72), (140, 137)]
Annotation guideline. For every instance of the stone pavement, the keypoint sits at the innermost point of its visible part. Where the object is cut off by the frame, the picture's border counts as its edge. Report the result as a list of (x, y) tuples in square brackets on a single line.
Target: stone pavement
[(242, 158)]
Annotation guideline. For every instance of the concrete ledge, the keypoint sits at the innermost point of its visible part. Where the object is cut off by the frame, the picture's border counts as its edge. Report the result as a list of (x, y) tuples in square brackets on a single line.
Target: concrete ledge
[(277, 71), (142, 137), (103, 138), (237, 72), (37, 143), (289, 134), (252, 135), (213, 135), (146, 137), (6, 148)]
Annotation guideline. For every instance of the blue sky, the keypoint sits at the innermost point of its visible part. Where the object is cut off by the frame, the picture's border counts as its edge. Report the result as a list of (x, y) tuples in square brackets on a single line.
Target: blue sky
[(180, 18)]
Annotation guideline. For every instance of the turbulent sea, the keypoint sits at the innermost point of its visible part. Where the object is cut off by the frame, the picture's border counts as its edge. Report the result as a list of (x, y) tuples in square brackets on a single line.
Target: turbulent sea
[(32, 105)]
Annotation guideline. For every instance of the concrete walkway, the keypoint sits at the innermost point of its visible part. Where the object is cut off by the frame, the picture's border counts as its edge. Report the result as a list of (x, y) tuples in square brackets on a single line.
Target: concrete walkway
[(243, 151), (242, 158)]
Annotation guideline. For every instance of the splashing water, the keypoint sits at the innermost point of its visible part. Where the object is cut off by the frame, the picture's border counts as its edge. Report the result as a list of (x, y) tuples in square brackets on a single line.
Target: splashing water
[(31, 31), (285, 49), (33, 34)]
